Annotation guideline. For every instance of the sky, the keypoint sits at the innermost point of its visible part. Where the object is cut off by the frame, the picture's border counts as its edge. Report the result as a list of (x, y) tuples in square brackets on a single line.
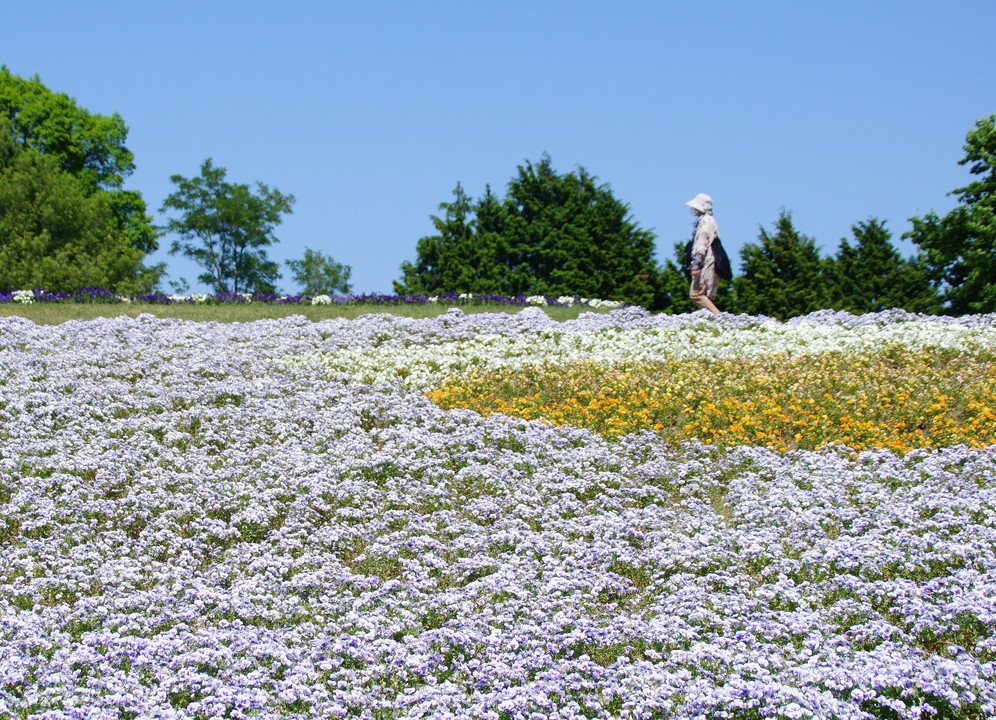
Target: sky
[(371, 112)]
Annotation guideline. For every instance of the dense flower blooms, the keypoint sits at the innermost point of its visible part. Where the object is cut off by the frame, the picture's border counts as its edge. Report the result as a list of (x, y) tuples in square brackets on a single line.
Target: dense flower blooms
[(270, 519)]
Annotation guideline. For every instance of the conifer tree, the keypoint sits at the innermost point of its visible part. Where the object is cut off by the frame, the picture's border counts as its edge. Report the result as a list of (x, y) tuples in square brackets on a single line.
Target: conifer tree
[(871, 275), (781, 275), (553, 234)]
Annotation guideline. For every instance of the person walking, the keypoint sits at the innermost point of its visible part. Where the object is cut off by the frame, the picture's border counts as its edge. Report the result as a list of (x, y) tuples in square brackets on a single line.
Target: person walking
[(705, 281)]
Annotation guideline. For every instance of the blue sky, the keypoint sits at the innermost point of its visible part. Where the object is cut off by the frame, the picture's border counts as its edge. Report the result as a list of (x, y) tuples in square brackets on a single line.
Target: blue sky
[(369, 113)]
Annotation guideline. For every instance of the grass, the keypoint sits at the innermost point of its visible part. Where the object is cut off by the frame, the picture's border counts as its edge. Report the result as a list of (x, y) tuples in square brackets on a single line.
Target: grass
[(57, 313)]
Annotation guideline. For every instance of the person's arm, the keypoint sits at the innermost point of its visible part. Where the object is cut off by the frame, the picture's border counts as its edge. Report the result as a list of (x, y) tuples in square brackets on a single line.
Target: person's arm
[(702, 243)]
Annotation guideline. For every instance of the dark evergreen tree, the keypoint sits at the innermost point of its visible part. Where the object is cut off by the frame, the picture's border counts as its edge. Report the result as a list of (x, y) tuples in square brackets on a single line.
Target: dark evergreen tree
[(781, 277), (492, 273), (673, 283), (576, 238), (958, 250), (552, 235), (871, 275), (453, 259)]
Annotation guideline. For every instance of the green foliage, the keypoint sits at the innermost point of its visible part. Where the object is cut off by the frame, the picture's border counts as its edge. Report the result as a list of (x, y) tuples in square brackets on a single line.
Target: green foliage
[(54, 235), (318, 274), (782, 275), (458, 259), (673, 284), (575, 238), (225, 227), (88, 146), (959, 249), (551, 235), (872, 276)]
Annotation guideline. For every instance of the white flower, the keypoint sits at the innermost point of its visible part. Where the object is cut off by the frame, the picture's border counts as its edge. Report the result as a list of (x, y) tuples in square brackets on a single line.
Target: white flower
[(321, 300)]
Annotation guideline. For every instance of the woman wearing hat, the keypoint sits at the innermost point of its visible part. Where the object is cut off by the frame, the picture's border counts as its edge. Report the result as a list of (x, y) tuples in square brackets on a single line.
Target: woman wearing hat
[(705, 282)]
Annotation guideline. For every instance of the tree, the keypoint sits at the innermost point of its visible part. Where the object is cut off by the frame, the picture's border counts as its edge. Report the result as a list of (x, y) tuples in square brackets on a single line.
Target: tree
[(575, 238), (56, 236), (673, 284), (318, 274), (225, 227), (551, 235), (872, 276), (781, 277), (959, 249), (452, 260), (88, 146)]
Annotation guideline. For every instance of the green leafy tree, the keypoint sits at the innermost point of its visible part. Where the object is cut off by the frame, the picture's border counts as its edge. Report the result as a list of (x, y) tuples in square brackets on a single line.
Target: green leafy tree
[(56, 236), (958, 250), (781, 275), (89, 146), (551, 235), (225, 228), (871, 275), (318, 274)]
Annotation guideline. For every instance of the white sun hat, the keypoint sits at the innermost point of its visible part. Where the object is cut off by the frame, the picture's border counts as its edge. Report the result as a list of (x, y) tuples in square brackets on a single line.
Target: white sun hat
[(701, 202)]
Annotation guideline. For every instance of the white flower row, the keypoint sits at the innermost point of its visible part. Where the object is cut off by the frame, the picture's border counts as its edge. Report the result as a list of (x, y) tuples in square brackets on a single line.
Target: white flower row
[(427, 364)]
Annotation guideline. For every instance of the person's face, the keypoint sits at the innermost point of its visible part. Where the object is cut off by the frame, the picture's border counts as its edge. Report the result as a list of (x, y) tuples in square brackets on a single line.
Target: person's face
[(693, 212)]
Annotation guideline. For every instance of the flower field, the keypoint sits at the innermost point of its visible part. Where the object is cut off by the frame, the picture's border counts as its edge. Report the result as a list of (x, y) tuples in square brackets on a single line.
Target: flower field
[(386, 518)]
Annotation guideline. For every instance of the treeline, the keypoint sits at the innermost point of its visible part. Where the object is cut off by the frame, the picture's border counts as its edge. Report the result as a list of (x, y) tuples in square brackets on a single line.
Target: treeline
[(565, 234), (783, 275)]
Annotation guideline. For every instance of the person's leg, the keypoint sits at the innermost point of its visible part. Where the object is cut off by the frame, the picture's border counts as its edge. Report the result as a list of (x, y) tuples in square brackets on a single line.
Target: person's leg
[(700, 299)]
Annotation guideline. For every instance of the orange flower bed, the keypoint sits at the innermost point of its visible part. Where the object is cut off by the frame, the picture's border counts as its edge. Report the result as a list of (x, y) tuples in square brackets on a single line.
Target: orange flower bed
[(896, 398)]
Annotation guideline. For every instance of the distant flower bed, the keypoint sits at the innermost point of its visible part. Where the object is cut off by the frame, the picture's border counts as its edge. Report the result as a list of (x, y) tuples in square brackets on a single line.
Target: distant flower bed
[(99, 295)]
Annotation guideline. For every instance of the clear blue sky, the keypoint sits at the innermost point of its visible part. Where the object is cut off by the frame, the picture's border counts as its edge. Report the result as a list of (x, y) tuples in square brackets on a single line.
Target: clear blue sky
[(370, 112)]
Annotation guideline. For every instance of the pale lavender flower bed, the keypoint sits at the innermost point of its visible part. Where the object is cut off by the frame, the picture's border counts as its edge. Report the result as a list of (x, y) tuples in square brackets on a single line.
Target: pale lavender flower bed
[(191, 527)]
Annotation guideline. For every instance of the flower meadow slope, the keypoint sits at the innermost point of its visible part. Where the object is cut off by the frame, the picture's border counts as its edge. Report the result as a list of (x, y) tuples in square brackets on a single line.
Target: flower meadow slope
[(271, 520)]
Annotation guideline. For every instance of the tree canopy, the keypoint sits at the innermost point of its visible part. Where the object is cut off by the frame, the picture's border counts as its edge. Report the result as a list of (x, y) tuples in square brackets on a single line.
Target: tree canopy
[(318, 274), (225, 228), (552, 234), (781, 274), (56, 236), (871, 275), (88, 146), (958, 250)]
